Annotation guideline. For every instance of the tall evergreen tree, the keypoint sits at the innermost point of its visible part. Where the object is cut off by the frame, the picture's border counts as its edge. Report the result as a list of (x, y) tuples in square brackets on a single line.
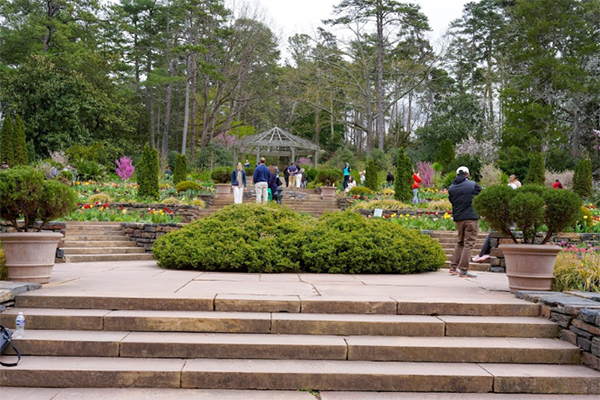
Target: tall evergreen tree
[(147, 173), (371, 175), (7, 148), (180, 173), (536, 173), (403, 181), (19, 142), (446, 154), (582, 179)]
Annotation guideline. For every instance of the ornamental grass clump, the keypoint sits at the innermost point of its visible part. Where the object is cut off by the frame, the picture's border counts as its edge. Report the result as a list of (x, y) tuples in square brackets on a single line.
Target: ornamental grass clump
[(577, 269), (533, 209), (351, 244)]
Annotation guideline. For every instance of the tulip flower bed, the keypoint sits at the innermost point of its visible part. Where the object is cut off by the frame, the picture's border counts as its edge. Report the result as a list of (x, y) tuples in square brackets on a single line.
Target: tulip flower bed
[(104, 212)]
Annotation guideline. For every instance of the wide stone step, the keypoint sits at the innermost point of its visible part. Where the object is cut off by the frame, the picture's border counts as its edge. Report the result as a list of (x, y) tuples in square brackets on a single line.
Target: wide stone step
[(99, 243), (298, 374), (116, 237), (300, 347), (103, 257), (473, 266), (103, 250), (282, 323), (278, 304)]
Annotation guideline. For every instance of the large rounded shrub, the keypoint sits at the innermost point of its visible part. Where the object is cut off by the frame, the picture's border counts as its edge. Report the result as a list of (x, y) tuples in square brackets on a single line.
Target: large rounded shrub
[(329, 176), (221, 175), (241, 237), (349, 243)]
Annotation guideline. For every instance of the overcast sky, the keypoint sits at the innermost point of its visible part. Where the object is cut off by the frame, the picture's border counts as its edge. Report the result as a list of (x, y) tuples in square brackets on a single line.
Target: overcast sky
[(304, 16)]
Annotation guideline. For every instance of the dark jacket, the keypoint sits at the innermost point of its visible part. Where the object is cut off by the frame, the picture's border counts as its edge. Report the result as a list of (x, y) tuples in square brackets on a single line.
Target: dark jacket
[(261, 174), (234, 178), (274, 181), (461, 194)]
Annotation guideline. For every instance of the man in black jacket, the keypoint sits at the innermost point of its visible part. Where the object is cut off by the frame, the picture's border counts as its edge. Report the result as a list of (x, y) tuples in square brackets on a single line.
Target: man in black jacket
[(461, 194)]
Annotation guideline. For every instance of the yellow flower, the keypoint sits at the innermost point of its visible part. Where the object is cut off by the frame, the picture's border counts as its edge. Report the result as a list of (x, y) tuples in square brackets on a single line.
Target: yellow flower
[(124, 211)]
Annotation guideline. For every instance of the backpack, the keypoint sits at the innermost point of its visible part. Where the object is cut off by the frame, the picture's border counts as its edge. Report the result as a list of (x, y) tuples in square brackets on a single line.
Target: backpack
[(5, 341)]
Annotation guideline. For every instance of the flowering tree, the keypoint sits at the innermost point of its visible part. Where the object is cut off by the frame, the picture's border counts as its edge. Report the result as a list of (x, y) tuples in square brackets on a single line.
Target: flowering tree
[(125, 168), (483, 149), (427, 173)]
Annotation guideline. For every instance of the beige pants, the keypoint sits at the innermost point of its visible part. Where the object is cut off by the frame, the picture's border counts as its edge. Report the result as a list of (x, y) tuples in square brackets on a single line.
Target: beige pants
[(467, 236)]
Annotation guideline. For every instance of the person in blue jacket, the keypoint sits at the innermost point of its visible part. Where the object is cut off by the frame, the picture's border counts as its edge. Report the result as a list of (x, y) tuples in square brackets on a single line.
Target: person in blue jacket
[(261, 181)]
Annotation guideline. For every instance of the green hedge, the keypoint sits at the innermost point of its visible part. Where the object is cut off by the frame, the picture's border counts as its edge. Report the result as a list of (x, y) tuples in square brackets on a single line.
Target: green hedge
[(256, 238)]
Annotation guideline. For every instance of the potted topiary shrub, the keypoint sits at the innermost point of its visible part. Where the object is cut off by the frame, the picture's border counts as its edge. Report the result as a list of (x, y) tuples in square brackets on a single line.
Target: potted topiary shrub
[(328, 178), (25, 195), (222, 178), (530, 216)]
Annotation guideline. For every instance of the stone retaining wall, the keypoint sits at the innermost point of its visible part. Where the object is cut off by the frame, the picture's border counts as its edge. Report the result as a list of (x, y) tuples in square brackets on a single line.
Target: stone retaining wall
[(144, 235), (578, 316), (186, 212)]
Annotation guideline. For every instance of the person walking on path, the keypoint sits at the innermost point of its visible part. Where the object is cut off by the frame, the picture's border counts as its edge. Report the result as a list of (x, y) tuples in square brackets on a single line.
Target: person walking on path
[(292, 171), (260, 178), (238, 184), (461, 194), (346, 175), (416, 181)]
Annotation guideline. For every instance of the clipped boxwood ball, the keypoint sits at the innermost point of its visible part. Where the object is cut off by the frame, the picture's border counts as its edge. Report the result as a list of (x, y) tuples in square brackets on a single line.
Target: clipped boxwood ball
[(349, 243)]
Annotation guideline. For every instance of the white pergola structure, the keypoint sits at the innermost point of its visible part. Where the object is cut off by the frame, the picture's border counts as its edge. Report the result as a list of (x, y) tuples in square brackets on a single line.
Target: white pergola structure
[(276, 142)]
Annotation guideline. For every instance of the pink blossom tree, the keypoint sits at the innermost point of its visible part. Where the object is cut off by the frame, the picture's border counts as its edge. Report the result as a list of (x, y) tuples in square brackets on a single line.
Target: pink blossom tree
[(125, 168), (426, 173)]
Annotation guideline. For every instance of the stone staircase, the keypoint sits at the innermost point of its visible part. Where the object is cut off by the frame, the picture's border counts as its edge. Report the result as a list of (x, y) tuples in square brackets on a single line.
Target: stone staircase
[(277, 344), (447, 240), (99, 241), (308, 201)]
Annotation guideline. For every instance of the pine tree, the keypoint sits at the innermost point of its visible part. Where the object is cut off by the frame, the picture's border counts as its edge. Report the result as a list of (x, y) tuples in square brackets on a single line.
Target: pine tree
[(371, 180), (446, 154), (19, 143), (582, 179), (147, 173), (7, 148), (403, 181), (180, 172), (537, 173)]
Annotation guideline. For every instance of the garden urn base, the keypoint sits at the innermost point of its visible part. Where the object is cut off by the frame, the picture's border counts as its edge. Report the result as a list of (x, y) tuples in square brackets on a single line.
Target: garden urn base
[(30, 255), (223, 189), (530, 266), (328, 192)]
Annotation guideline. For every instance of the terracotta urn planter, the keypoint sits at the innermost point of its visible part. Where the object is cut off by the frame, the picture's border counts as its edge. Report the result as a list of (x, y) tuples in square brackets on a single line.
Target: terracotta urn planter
[(30, 255), (328, 192), (223, 189), (530, 266)]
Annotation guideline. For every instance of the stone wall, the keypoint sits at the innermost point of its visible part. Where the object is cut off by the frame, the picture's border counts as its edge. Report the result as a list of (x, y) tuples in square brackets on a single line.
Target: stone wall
[(144, 235), (186, 212), (578, 316)]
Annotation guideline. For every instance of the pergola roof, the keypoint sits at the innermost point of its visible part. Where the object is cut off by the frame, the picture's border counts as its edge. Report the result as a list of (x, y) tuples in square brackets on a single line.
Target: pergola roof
[(277, 142)]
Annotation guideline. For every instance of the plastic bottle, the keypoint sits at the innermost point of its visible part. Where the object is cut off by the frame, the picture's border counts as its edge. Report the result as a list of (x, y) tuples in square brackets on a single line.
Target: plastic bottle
[(20, 326)]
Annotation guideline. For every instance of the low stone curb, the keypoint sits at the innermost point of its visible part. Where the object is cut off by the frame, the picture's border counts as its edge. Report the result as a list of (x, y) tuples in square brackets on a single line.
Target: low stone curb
[(9, 290), (578, 316)]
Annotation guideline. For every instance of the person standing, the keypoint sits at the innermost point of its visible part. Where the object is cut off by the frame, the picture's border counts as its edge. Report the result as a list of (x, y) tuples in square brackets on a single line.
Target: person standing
[(260, 178), (238, 184), (346, 175), (275, 184), (513, 182), (247, 164), (299, 178), (461, 194), (389, 178), (292, 171), (416, 181)]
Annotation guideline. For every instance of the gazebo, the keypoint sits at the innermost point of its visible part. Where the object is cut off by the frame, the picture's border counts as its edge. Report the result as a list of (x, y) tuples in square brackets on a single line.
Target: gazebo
[(276, 142)]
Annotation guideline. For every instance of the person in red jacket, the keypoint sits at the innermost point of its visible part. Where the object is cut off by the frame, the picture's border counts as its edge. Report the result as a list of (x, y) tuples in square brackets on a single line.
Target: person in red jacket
[(557, 185), (416, 181)]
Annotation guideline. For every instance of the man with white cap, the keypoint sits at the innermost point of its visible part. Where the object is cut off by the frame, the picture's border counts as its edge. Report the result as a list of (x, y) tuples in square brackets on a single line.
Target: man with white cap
[(461, 194)]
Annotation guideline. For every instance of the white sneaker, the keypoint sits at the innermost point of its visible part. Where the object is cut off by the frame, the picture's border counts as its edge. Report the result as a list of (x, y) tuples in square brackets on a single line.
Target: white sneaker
[(476, 259), (484, 258)]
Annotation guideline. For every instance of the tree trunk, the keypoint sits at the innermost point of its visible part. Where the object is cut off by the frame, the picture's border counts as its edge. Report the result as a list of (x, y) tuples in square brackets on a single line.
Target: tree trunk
[(575, 149), (380, 115), (186, 107)]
